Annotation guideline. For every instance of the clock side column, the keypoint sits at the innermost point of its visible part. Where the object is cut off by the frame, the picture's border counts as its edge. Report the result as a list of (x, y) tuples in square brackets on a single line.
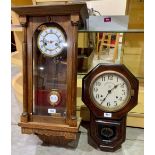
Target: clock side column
[(23, 22), (72, 29)]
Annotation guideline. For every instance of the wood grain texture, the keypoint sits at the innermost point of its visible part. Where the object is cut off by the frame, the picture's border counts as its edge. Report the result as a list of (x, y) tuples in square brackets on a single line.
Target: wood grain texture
[(24, 116), (108, 133), (43, 10), (68, 17), (135, 11)]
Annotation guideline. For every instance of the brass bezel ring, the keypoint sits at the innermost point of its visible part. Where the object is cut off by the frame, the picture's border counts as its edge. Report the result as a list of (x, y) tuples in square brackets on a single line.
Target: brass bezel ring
[(54, 92), (98, 105)]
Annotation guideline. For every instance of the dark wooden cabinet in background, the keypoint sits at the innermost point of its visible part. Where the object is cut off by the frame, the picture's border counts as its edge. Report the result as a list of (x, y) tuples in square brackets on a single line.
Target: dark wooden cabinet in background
[(49, 81)]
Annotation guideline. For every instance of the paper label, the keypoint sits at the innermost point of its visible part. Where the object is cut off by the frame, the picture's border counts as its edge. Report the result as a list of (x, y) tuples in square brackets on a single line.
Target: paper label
[(109, 115), (51, 111)]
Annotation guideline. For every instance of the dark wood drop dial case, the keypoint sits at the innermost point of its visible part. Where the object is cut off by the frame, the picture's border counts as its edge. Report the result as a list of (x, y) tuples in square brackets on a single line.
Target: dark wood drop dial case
[(50, 70), (110, 91)]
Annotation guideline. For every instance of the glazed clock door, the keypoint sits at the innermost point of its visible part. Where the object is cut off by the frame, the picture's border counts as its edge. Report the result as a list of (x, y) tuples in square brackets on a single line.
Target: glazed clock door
[(50, 70)]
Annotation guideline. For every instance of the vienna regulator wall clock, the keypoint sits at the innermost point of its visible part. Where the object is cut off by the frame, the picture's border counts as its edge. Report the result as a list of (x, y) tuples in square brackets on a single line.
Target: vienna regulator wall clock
[(49, 70), (110, 92)]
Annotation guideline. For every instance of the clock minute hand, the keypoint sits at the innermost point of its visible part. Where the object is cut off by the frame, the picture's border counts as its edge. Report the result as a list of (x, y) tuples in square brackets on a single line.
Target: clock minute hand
[(115, 87), (104, 98), (109, 91)]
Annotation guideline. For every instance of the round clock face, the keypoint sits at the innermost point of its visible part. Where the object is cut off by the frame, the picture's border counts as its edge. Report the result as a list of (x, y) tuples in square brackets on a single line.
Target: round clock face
[(110, 91), (51, 41)]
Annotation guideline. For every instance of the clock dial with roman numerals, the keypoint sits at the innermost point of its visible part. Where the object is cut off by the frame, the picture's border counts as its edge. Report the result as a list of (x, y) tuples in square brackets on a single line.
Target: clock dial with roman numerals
[(110, 91), (51, 41)]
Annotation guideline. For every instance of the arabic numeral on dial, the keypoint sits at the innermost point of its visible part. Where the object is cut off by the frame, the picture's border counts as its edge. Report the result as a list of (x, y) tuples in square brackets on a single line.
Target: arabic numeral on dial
[(97, 95), (95, 89), (120, 98), (103, 78), (117, 79), (115, 103), (123, 92), (98, 83), (110, 77), (108, 104), (122, 86)]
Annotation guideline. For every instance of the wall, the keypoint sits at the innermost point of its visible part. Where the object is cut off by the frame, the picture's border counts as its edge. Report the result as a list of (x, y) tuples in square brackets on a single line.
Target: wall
[(108, 7)]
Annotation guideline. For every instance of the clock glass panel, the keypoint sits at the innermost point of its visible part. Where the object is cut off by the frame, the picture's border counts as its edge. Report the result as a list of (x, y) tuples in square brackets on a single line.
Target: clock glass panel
[(50, 70), (110, 91)]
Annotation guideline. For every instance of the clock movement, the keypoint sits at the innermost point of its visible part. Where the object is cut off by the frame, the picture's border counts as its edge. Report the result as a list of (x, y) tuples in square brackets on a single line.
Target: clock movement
[(110, 91), (50, 70)]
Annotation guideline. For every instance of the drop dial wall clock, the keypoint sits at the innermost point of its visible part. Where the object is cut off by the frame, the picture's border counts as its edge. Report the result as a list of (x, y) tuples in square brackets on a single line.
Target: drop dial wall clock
[(110, 91), (49, 70)]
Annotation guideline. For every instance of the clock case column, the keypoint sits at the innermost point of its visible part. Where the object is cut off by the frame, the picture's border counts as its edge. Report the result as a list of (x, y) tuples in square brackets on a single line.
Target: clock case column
[(52, 130)]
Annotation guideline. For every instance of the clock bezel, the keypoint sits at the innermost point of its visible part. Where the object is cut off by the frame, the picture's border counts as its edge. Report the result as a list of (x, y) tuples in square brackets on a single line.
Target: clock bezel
[(99, 105), (102, 67), (62, 32), (57, 93)]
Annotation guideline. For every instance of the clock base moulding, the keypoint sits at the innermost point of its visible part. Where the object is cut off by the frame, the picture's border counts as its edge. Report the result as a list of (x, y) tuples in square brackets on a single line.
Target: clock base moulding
[(61, 135)]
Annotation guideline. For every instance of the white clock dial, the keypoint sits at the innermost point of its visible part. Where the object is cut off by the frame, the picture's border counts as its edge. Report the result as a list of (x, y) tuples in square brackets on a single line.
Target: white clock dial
[(110, 91), (51, 41)]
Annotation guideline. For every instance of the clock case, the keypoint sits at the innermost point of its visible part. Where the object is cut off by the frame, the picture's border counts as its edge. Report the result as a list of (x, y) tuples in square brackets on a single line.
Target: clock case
[(114, 127), (71, 16)]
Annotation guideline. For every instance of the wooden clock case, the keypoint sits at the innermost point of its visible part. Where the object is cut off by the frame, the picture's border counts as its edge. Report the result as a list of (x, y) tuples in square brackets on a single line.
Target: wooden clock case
[(115, 126), (52, 130)]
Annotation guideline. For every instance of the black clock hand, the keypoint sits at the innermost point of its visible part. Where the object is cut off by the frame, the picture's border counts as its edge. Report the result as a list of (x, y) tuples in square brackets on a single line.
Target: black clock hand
[(109, 91)]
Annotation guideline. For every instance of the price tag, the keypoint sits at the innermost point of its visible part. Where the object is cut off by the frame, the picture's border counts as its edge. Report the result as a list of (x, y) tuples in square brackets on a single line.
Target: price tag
[(108, 115), (51, 111), (107, 19)]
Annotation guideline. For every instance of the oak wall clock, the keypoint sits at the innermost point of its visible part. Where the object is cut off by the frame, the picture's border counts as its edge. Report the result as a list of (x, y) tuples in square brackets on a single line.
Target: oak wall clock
[(50, 70), (110, 91)]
